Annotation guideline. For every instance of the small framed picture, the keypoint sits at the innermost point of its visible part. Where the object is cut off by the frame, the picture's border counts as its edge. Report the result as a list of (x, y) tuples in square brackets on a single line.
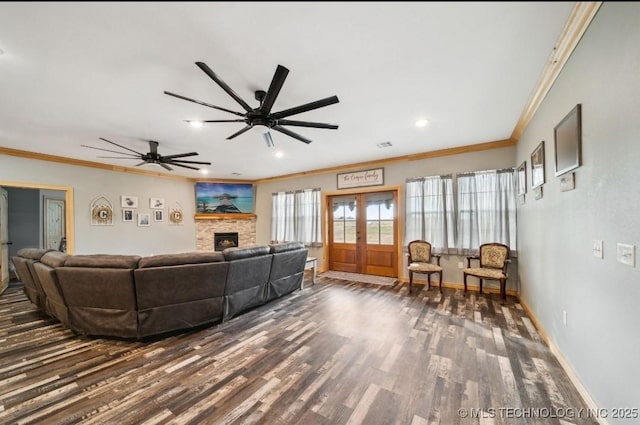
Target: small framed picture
[(128, 201), (156, 203), (522, 178), (144, 219), (158, 215), (537, 166), (127, 214)]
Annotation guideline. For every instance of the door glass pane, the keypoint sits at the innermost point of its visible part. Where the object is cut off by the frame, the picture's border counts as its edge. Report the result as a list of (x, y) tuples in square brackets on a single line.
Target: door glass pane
[(338, 231), (380, 215), (350, 231)]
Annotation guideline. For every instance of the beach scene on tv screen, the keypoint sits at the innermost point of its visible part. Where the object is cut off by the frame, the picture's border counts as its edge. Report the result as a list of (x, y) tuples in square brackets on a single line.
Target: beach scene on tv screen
[(224, 198)]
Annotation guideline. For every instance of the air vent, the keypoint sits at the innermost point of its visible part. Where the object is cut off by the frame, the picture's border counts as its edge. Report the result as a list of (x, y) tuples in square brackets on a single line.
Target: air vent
[(384, 144)]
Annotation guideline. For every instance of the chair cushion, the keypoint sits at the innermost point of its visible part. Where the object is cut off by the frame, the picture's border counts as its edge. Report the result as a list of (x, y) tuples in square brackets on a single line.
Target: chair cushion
[(424, 267), (485, 273)]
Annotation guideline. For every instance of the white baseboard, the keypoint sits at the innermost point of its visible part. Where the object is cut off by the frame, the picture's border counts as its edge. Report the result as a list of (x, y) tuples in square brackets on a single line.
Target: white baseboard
[(573, 377)]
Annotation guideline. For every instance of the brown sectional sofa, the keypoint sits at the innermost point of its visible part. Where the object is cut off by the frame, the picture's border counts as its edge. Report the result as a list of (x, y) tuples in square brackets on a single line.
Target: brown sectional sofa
[(130, 296)]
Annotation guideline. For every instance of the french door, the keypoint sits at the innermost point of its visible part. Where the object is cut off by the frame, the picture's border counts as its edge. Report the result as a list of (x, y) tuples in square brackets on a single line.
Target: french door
[(362, 233)]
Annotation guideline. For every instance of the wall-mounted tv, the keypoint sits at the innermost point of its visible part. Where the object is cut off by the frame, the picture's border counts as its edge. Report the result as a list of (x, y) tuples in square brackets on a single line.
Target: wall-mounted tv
[(568, 141), (224, 198)]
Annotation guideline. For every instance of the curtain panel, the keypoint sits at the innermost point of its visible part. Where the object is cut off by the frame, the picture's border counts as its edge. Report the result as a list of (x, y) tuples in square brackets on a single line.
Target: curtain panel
[(295, 217)]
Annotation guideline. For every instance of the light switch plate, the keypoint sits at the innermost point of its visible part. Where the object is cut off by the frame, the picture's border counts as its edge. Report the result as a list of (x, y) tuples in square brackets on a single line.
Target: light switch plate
[(627, 254), (597, 248)]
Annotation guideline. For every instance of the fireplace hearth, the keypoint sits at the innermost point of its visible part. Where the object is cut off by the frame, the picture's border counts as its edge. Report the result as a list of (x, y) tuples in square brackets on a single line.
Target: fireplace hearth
[(225, 240)]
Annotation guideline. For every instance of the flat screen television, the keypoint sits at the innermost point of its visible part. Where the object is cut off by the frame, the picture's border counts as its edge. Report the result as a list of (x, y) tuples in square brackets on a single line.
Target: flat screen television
[(568, 142)]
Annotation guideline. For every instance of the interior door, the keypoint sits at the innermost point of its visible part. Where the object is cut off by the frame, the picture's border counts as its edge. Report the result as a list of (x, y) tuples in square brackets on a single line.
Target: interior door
[(54, 222), (4, 240), (362, 233)]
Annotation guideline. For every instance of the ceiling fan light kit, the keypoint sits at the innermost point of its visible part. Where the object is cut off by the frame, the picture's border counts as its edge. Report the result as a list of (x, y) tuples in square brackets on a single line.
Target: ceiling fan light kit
[(261, 119)]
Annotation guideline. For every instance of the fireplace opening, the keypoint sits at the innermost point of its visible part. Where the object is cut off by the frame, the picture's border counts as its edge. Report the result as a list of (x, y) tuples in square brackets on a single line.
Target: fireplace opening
[(225, 240)]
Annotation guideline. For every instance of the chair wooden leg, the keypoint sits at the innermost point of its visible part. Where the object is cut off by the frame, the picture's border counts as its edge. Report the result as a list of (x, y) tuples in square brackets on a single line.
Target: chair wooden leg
[(441, 282), (481, 286), (465, 283), (503, 290), (428, 281), (410, 280)]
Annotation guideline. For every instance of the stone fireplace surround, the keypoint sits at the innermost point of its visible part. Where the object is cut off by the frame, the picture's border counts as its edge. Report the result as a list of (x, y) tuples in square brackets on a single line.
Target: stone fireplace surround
[(205, 229)]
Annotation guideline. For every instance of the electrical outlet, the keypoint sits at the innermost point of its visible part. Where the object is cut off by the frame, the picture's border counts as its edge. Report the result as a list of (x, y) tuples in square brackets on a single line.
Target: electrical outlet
[(460, 265), (627, 254), (564, 317), (597, 248)]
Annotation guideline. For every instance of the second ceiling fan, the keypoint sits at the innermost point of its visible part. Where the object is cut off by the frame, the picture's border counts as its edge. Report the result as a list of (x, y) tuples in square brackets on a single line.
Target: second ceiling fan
[(261, 117)]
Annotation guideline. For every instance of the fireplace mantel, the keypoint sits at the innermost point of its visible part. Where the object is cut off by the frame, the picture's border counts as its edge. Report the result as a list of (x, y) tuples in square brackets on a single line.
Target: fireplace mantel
[(234, 216)]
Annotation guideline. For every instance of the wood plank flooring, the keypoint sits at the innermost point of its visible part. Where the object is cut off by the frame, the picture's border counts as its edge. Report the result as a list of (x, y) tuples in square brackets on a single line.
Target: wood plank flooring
[(333, 353)]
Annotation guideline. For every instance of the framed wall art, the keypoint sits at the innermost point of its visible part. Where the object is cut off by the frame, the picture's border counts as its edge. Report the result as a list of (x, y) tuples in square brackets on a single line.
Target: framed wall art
[(537, 166), (568, 142), (364, 178), (128, 201), (156, 203), (144, 219), (521, 175), (101, 212), (127, 215), (158, 215)]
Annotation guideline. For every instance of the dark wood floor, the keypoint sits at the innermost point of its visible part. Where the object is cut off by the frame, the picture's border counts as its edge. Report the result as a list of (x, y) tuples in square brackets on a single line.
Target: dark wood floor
[(334, 353)]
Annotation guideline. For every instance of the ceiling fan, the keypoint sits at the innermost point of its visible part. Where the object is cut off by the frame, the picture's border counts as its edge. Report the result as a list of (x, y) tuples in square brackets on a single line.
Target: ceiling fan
[(261, 118), (152, 157)]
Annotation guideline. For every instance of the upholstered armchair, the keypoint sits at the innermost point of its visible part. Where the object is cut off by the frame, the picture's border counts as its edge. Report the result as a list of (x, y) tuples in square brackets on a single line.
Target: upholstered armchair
[(420, 261), (494, 259)]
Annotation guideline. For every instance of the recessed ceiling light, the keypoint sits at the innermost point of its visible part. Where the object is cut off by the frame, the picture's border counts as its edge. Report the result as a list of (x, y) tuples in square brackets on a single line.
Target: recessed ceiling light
[(204, 171), (279, 154), (196, 124), (422, 123)]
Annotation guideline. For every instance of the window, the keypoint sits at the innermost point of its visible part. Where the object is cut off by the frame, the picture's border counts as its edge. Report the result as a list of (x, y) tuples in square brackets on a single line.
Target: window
[(295, 217), (486, 209), (430, 212)]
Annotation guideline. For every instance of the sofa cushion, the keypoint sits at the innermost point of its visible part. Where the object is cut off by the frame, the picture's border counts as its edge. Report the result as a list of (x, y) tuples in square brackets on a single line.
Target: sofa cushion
[(32, 253), (181, 258), (54, 258), (286, 246), (106, 261), (239, 253)]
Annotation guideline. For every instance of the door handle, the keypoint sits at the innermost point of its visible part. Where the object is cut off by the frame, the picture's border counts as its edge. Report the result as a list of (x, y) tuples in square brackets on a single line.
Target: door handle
[(7, 243)]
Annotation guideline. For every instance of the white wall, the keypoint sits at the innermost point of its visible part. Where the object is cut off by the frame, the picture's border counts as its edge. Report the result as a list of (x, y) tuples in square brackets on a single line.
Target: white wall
[(394, 175), (558, 271), (89, 183)]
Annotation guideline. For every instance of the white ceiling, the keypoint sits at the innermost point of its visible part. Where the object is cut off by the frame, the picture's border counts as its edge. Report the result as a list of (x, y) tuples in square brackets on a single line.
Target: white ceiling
[(74, 72)]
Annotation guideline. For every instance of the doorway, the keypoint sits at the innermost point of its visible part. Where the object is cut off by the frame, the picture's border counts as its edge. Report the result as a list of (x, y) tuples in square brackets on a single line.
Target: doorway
[(363, 229)]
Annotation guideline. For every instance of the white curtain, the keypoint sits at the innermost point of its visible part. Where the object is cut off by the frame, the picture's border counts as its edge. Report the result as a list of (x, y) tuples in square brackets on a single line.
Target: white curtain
[(486, 210), (295, 217), (430, 213)]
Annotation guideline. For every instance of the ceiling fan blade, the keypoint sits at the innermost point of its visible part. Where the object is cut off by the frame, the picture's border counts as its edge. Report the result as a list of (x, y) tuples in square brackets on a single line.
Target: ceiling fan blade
[(203, 66), (183, 166), (204, 104), (120, 146), (165, 166), (108, 150), (268, 139), (153, 148), (224, 121), (142, 163), (189, 162), (291, 133), (237, 133), (117, 157), (306, 107), (274, 89), (307, 124), (179, 155)]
